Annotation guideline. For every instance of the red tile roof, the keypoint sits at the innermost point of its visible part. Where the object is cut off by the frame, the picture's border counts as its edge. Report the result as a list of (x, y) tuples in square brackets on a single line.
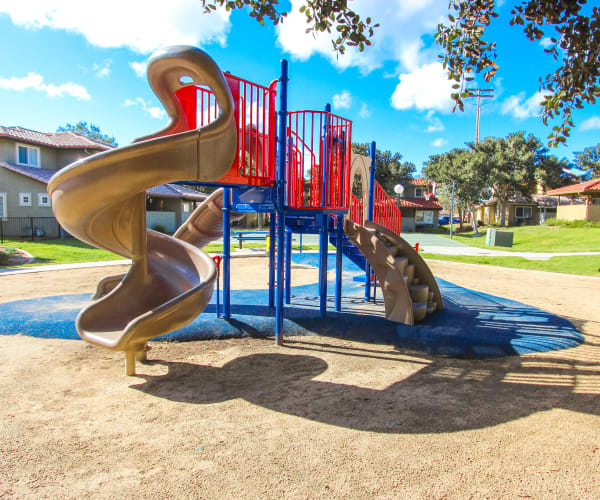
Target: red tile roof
[(583, 187), (431, 204), (420, 182), (59, 140)]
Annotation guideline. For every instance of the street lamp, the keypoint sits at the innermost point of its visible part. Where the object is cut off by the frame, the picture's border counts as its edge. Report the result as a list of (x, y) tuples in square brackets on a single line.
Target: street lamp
[(399, 190)]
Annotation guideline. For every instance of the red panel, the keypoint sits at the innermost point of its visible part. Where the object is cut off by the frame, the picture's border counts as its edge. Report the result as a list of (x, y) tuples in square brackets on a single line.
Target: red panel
[(385, 210), (254, 112), (318, 172)]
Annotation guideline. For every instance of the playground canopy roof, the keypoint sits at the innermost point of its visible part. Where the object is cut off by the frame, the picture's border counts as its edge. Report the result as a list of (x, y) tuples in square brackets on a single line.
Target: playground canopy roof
[(583, 188)]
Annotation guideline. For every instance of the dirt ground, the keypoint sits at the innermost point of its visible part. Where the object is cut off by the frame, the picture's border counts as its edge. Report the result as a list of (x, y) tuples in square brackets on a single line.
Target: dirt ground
[(317, 418)]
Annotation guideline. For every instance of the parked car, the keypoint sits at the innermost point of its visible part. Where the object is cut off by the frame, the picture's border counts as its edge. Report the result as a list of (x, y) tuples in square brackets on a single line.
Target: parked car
[(445, 220)]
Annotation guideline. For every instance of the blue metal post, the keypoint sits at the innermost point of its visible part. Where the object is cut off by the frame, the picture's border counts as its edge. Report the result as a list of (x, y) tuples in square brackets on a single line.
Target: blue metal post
[(370, 210), (288, 264), (272, 218), (323, 244), (338, 262), (226, 253), (300, 242), (280, 203)]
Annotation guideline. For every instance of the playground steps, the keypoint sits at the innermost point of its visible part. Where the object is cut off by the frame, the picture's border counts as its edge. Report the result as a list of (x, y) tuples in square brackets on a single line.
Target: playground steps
[(350, 250), (409, 289)]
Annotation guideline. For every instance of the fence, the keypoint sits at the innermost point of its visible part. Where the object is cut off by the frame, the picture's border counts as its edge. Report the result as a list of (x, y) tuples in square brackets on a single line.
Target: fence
[(30, 228)]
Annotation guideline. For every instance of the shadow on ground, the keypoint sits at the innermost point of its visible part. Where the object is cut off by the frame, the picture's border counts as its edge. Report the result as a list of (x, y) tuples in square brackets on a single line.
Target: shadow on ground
[(443, 395)]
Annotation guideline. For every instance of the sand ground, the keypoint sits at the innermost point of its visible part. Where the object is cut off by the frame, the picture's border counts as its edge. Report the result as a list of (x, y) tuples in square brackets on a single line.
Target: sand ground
[(317, 418)]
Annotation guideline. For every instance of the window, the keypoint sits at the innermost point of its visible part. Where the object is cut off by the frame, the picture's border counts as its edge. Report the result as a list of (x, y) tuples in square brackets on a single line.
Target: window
[(24, 199), (28, 155), (423, 217), (523, 212), (43, 200), (186, 206), (2, 205), (419, 193)]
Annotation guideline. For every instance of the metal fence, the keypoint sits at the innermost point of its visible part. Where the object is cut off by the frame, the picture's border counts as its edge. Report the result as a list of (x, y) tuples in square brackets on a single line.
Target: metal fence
[(29, 228)]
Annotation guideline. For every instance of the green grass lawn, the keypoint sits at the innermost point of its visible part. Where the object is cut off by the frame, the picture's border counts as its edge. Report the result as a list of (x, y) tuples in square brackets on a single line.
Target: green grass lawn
[(71, 251), (540, 239), (586, 265), (65, 251)]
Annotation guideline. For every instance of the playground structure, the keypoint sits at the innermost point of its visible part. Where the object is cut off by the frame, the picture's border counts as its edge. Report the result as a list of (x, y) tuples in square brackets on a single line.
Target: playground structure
[(225, 131)]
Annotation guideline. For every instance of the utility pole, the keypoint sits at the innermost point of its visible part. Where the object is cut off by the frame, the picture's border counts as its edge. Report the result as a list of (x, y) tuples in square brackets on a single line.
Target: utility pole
[(480, 94)]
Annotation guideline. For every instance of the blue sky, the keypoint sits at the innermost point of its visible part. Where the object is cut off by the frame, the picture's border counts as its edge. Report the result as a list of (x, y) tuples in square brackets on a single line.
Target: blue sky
[(68, 61)]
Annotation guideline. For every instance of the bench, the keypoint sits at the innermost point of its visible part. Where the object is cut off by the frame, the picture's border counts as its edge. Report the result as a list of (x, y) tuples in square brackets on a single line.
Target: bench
[(242, 236)]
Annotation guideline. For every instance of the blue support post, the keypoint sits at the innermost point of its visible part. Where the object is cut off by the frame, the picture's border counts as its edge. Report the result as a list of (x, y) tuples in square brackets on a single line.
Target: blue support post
[(288, 265), (338, 262), (323, 244), (226, 253), (272, 219), (300, 242), (280, 202), (370, 211), (325, 154)]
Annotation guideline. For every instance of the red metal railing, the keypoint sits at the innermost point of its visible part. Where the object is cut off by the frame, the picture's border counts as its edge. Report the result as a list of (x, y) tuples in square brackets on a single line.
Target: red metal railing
[(385, 210), (254, 110), (318, 170), (356, 209)]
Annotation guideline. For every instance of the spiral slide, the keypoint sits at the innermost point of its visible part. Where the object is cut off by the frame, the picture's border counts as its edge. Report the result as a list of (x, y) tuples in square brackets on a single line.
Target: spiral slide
[(101, 200)]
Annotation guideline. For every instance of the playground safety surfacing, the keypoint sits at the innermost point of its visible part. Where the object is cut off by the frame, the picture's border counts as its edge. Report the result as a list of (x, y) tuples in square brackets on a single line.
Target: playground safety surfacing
[(472, 325)]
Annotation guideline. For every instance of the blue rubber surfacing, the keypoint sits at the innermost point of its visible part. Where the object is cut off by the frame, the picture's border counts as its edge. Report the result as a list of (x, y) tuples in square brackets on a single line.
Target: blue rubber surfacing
[(472, 325)]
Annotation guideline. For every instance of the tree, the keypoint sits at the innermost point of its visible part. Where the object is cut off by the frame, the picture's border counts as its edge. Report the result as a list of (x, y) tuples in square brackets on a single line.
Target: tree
[(467, 169), (390, 169), (92, 131), (574, 38), (574, 41), (589, 161), (321, 16), (510, 164), (551, 172)]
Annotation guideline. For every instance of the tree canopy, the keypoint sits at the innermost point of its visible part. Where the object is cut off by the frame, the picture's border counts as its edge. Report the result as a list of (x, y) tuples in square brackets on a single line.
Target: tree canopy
[(92, 131), (572, 28), (390, 169), (466, 168), (588, 160)]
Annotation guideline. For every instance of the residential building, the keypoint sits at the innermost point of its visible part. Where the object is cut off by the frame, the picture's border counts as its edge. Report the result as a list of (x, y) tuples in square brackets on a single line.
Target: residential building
[(582, 201), (28, 159), (419, 207)]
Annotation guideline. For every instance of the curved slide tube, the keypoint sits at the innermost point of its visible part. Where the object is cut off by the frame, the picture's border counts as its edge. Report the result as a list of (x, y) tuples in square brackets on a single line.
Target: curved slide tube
[(101, 200)]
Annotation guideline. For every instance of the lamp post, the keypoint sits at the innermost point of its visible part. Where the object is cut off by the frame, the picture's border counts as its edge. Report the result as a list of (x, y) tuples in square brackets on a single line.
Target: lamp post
[(399, 190)]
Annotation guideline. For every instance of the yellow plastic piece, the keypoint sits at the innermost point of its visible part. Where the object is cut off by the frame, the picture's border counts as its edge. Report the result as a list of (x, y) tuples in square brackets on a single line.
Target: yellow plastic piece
[(101, 200)]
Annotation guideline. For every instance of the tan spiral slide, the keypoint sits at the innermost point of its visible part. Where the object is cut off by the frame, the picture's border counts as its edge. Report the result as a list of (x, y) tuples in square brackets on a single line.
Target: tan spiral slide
[(101, 200)]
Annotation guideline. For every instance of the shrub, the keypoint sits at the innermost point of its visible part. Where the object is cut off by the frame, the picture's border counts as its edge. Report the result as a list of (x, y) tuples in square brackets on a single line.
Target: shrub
[(5, 253), (159, 228)]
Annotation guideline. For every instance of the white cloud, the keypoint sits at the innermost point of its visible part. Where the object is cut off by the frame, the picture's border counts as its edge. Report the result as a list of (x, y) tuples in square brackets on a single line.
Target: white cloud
[(153, 111), (403, 23), (435, 124), (546, 42), (139, 68), (36, 82), (103, 70), (343, 100), (438, 143), (140, 25), (425, 88), (592, 123), (364, 111), (521, 108)]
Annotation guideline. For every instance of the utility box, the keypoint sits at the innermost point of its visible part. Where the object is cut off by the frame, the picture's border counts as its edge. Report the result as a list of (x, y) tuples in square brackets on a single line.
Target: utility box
[(495, 238)]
